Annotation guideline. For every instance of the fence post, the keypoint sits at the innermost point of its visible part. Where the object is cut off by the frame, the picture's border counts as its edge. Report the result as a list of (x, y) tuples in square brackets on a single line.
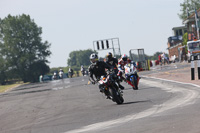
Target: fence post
[(198, 66), (192, 67)]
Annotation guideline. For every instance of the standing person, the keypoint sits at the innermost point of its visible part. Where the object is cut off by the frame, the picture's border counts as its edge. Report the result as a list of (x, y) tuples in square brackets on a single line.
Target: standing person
[(165, 58), (113, 62), (121, 63), (41, 78), (160, 59)]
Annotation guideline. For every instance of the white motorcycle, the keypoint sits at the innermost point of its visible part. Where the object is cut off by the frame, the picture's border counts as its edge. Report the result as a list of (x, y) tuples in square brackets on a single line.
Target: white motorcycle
[(61, 75), (131, 75)]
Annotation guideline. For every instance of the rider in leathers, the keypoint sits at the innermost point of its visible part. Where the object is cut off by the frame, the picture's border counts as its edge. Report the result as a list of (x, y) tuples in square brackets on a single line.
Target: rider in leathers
[(121, 63), (97, 69), (82, 70), (113, 62)]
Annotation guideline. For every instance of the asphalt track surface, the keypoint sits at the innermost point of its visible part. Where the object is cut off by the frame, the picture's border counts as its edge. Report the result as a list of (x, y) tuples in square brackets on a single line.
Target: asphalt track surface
[(73, 106)]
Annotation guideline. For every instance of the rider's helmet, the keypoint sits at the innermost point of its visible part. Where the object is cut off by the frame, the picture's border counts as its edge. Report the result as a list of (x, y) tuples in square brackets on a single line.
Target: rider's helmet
[(109, 55), (60, 69), (81, 66), (124, 57), (93, 58)]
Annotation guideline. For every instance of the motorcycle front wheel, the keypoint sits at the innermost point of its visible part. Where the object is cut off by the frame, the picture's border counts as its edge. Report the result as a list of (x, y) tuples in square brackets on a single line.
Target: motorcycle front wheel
[(116, 96), (134, 82)]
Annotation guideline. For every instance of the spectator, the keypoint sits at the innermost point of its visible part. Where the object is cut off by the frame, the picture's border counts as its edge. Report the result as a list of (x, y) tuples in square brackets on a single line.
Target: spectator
[(160, 59), (41, 78), (165, 58)]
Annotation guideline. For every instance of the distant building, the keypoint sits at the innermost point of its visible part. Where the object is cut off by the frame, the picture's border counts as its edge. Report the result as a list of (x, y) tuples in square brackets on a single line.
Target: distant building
[(190, 24), (174, 44)]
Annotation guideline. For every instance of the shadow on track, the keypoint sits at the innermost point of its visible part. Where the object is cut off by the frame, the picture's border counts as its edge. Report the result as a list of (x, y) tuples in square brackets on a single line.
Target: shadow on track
[(136, 102)]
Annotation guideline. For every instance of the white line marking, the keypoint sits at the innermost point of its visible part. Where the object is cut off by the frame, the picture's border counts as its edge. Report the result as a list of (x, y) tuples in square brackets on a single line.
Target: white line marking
[(173, 81), (187, 98), (60, 88)]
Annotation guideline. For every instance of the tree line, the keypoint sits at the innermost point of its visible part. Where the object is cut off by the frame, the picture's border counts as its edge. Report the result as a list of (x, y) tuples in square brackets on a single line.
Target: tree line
[(23, 55)]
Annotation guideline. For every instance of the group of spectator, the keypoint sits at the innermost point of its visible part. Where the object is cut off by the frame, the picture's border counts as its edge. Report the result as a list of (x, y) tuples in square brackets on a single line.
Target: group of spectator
[(163, 59)]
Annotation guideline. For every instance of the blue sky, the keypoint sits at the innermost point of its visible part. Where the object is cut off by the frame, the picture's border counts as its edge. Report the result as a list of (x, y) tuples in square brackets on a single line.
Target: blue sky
[(71, 25)]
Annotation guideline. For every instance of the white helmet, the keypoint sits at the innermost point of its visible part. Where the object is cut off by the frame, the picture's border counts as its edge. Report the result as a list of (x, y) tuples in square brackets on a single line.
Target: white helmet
[(93, 58)]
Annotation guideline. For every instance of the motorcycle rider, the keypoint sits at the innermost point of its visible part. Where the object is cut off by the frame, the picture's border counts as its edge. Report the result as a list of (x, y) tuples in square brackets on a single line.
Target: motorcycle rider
[(121, 63), (97, 69), (71, 72), (113, 62), (61, 74), (82, 70), (55, 75)]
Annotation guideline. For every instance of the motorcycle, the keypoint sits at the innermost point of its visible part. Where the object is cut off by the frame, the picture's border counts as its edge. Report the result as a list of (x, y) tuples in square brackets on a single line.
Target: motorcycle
[(110, 87), (131, 75), (70, 74), (83, 71), (55, 76), (61, 75)]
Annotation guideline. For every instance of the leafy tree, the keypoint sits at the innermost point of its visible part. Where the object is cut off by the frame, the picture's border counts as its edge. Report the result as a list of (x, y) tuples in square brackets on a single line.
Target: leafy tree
[(81, 57), (2, 70), (185, 39), (189, 5), (22, 47)]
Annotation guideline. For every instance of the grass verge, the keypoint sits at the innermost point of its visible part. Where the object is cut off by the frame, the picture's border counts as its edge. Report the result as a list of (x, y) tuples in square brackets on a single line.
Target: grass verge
[(4, 88)]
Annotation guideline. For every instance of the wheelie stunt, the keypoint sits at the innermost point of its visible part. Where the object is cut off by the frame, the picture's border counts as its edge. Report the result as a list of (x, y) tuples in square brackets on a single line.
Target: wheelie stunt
[(131, 76), (107, 81)]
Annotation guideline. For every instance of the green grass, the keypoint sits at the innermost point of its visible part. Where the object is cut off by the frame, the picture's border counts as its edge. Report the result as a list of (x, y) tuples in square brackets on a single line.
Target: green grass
[(4, 88)]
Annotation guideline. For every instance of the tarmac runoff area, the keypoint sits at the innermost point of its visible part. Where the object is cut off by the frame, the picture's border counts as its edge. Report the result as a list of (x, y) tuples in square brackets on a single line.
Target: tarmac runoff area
[(176, 74)]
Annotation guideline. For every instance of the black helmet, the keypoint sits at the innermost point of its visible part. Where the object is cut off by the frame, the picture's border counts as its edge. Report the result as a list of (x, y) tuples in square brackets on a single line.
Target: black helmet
[(109, 55), (124, 57), (93, 58)]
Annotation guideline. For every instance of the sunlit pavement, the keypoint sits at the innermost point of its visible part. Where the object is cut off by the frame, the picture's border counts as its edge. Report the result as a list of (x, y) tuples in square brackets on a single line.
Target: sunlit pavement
[(176, 71)]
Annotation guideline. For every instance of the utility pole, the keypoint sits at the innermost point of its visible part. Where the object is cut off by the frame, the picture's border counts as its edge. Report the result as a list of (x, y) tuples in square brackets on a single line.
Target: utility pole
[(197, 26)]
